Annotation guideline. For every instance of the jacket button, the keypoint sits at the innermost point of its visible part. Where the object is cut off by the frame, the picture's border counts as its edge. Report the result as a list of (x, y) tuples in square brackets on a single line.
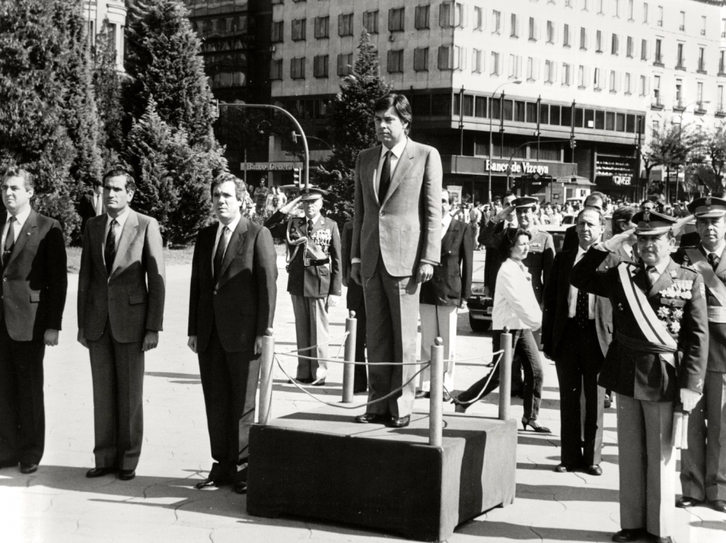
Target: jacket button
[(383, 213)]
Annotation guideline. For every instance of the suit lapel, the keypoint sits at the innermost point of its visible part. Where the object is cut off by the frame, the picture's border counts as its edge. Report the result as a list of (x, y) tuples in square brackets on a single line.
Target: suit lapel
[(235, 242), (26, 232), (127, 235), (721, 268), (405, 162)]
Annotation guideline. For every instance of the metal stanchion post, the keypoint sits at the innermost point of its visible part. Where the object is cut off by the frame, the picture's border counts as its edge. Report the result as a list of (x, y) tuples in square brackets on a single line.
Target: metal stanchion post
[(266, 359), (436, 408), (505, 375), (351, 325)]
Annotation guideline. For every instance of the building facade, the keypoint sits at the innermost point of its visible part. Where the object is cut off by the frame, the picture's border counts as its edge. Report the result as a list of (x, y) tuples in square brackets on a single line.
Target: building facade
[(114, 12)]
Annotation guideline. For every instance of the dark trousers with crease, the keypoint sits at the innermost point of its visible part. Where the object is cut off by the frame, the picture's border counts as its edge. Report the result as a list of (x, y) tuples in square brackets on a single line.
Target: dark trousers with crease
[(22, 408), (229, 383)]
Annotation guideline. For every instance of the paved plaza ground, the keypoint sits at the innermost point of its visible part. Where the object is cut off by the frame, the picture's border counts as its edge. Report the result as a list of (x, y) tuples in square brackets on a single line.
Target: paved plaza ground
[(59, 505)]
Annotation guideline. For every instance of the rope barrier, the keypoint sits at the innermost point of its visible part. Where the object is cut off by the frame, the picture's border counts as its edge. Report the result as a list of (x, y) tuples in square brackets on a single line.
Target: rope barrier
[(481, 392), (345, 335), (338, 360), (358, 406)]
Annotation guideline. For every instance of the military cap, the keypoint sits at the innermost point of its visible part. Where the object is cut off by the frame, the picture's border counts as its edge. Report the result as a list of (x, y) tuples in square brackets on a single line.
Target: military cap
[(312, 193), (708, 207), (524, 202), (652, 223)]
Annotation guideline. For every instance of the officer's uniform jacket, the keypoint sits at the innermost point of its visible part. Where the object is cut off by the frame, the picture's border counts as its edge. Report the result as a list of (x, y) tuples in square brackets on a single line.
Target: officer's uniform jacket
[(635, 366)]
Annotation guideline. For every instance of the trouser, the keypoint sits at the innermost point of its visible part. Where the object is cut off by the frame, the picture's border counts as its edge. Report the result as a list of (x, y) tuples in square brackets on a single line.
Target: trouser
[(311, 329), (438, 321)]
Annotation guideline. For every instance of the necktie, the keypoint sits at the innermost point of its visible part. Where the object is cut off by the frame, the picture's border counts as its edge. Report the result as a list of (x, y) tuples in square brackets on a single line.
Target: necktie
[(385, 177), (109, 251), (582, 308), (652, 275), (9, 240), (713, 259), (97, 204), (310, 228), (219, 255)]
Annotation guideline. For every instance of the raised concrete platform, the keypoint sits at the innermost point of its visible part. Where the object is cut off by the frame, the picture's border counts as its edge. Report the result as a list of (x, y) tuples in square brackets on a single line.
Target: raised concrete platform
[(324, 466)]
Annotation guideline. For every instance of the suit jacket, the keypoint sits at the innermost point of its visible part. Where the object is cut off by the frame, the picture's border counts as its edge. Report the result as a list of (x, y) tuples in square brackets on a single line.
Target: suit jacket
[(86, 210), (451, 282), (241, 306), (556, 307), (314, 280), (131, 299), (539, 259), (405, 227), (642, 373), (35, 279), (354, 295), (717, 331)]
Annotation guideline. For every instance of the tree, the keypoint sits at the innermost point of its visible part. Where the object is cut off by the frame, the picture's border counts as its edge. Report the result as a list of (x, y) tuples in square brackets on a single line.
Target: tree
[(47, 110), (673, 146), (107, 90), (710, 170), (352, 129), (164, 63)]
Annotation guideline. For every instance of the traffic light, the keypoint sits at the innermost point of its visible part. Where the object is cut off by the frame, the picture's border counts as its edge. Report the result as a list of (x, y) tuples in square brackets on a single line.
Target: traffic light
[(296, 176)]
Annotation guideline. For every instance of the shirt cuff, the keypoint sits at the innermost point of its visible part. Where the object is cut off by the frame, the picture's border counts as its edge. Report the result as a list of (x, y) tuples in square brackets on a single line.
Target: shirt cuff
[(355, 260)]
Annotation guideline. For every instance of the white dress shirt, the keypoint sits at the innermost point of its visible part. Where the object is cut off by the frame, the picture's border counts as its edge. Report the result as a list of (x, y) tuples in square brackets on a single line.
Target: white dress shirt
[(20, 219), (515, 306), (396, 152)]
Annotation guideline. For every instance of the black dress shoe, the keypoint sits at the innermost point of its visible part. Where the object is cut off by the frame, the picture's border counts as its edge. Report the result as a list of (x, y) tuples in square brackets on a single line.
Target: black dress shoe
[(27, 468), (126, 474), (99, 472), (562, 468), (718, 505), (206, 483), (629, 535), (687, 501), (399, 422), (595, 470), (375, 418), (240, 487)]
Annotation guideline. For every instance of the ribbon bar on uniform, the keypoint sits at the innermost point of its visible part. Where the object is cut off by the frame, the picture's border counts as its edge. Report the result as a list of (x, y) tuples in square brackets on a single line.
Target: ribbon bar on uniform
[(717, 314)]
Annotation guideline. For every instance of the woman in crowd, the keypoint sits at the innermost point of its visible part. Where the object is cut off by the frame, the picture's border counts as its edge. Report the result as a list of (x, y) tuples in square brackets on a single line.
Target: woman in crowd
[(515, 308)]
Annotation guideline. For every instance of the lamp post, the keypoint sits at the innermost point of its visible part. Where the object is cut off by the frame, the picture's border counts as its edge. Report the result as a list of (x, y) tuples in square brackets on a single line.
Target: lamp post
[(491, 144)]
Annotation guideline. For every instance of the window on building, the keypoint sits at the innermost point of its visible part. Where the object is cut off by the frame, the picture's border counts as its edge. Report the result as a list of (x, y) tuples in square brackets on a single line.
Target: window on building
[(645, 12), (370, 21), (276, 70), (495, 68), (478, 18), (613, 81), (616, 8), (514, 26), (609, 120), (585, 5), (298, 29), (496, 22), (600, 7), (532, 29), (719, 99), (721, 62), (723, 28), (345, 24), (582, 76), (627, 84), (658, 52), (703, 25), (659, 19), (421, 59), (549, 71), (631, 10), (345, 64), (395, 61), (277, 33), (396, 17), (597, 79), (532, 69), (320, 66), (699, 96), (297, 68), (643, 86), (477, 61), (446, 57), (629, 47), (566, 38), (679, 93), (643, 49), (615, 45), (451, 15), (682, 21), (598, 41), (656, 90), (550, 32), (421, 17), (566, 74), (515, 66), (679, 57), (583, 38), (656, 127), (702, 59), (322, 27)]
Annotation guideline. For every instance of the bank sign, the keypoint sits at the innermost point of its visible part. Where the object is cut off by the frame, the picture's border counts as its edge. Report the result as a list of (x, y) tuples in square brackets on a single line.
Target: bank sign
[(620, 170), (521, 167)]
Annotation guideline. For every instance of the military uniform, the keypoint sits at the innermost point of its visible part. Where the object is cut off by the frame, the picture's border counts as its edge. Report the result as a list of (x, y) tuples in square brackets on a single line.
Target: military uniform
[(314, 273), (660, 346)]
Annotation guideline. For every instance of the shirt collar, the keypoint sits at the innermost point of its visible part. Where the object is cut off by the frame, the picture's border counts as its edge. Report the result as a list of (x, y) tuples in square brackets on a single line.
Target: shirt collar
[(20, 217), (232, 226), (718, 251), (121, 219), (397, 149)]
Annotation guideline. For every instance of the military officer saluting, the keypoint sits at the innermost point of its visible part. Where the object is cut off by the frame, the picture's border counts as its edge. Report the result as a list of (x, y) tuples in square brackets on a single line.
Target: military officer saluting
[(657, 360), (703, 464), (314, 278)]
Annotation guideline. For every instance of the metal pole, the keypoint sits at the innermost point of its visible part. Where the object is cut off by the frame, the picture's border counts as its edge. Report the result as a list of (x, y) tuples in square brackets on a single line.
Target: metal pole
[(491, 151), (505, 375), (266, 358), (436, 408), (351, 325), (461, 120)]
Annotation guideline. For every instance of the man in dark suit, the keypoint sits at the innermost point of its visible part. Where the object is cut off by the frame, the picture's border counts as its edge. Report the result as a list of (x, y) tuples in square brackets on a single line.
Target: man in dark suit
[(91, 205), (444, 294), (355, 301), (657, 359), (314, 279), (121, 294), (34, 283), (231, 305), (396, 244), (703, 464), (595, 200), (576, 332)]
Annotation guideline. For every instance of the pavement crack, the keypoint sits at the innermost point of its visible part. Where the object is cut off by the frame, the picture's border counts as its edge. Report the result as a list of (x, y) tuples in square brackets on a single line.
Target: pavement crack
[(531, 529)]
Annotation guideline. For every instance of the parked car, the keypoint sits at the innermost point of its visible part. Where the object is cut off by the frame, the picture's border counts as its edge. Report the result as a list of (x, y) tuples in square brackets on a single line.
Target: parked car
[(480, 306)]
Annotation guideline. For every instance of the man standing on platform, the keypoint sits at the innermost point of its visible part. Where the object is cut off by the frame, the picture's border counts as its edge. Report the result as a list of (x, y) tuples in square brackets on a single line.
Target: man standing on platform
[(396, 244), (231, 305), (34, 284), (657, 359), (703, 464), (121, 292), (576, 333), (314, 279), (444, 294)]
